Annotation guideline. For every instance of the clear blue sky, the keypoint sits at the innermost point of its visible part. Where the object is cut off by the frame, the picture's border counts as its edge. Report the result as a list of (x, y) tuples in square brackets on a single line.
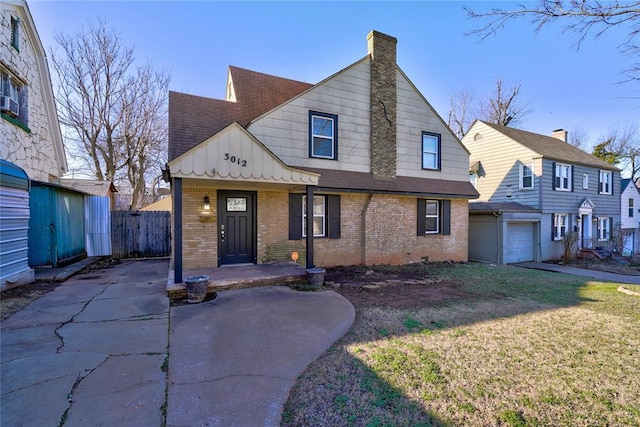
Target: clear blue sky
[(196, 41)]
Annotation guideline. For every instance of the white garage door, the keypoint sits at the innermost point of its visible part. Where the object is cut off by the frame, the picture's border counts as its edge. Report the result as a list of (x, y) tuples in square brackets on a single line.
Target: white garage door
[(519, 242)]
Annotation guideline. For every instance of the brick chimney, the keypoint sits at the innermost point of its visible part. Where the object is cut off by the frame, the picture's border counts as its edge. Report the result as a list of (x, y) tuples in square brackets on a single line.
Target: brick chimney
[(382, 49), (560, 134)]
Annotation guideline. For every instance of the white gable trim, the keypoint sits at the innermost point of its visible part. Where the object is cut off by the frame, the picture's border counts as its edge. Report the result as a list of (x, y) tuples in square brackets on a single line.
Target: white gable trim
[(233, 154)]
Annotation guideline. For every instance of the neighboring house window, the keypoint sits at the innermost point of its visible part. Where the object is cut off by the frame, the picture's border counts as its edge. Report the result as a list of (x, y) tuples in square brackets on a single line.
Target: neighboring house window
[(630, 208), (430, 150), (473, 178), (585, 181), (560, 226), (323, 135), (526, 177), (319, 216), (604, 184), (434, 217), (13, 100), (604, 228), (326, 216), (563, 177), (15, 33)]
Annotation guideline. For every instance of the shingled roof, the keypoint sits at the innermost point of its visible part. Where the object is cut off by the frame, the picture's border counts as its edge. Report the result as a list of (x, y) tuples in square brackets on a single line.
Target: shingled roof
[(192, 119), (339, 180), (552, 148)]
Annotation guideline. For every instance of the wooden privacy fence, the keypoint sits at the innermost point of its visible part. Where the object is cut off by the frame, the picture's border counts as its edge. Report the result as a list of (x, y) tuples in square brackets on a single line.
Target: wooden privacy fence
[(140, 234)]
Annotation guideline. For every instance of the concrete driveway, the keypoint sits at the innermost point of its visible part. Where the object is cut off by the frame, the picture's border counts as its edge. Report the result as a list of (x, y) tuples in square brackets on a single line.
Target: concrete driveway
[(95, 352)]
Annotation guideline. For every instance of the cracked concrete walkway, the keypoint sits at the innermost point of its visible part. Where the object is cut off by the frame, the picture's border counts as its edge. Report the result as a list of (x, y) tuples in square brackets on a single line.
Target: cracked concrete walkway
[(91, 352)]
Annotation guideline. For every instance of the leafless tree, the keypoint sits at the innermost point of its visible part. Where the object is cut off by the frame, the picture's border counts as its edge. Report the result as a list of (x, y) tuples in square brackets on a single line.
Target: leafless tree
[(113, 113), (502, 107), (584, 18), (462, 113), (623, 141), (579, 138)]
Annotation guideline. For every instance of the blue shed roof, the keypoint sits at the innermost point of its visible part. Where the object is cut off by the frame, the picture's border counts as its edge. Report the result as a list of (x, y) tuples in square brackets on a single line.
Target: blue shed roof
[(13, 176)]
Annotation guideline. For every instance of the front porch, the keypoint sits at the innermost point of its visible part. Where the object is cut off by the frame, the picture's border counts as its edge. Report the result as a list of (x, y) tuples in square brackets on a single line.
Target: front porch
[(240, 276)]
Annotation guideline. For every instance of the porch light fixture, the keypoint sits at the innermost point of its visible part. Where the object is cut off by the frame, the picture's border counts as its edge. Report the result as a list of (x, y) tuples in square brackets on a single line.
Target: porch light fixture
[(578, 218), (206, 205)]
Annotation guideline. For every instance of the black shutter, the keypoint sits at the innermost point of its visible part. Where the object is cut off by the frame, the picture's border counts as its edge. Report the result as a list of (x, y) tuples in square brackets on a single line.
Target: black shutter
[(333, 215), (612, 181), (422, 217), (446, 217), (553, 175), (295, 216), (553, 234), (572, 173), (611, 226)]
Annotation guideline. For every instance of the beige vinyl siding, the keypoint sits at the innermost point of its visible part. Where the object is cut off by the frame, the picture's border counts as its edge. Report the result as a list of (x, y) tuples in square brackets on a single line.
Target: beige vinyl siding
[(501, 157), (415, 115), (285, 130)]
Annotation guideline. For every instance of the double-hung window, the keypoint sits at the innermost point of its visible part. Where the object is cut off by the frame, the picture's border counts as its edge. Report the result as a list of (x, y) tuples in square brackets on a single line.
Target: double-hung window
[(585, 181), (319, 216), (431, 150), (13, 100), (526, 177), (323, 135), (605, 182), (630, 207), (560, 226), (604, 228), (434, 217), (563, 177), (326, 216)]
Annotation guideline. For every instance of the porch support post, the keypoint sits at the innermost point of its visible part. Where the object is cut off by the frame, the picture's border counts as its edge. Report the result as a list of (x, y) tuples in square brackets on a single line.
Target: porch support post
[(177, 230), (309, 225)]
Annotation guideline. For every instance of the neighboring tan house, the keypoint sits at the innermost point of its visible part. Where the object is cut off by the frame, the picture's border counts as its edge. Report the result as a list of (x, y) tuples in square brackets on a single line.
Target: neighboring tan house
[(31, 141), (357, 169), (630, 217), (537, 192)]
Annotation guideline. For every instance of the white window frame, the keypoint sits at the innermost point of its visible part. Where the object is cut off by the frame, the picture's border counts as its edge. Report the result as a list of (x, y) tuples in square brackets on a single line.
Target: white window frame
[(605, 182), (319, 211), (604, 228), (523, 168), (631, 203), (560, 226), (436, 216), (15, 33), (585, 181), (560, 177)]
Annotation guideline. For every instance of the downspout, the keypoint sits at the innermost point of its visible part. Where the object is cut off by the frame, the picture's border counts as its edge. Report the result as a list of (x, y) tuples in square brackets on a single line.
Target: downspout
[(499, 238), (363, 226)]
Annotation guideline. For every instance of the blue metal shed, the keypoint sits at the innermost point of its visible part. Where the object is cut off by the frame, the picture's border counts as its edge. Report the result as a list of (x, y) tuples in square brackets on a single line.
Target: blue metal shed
[(14, 226), (56, 227)]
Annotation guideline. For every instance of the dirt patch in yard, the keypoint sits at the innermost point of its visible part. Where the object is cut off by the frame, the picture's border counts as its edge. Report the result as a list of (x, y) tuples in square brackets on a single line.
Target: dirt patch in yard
[(395, 287)]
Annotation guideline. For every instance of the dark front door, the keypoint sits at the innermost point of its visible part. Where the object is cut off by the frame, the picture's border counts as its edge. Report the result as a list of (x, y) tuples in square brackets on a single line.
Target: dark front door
[(236, 227)]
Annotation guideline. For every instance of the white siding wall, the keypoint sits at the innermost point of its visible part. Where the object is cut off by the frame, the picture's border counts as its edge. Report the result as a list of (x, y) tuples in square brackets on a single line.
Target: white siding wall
[(34, 152), (285, 131), (414, 116), (630, 193), (501, 157)]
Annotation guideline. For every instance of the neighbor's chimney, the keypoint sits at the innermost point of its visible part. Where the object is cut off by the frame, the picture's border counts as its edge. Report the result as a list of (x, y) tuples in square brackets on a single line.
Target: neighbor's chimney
[(382, 49), (560, 134)]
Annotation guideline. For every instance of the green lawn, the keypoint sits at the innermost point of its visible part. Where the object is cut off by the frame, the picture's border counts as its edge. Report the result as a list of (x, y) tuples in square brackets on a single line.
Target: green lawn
[(529, 348)]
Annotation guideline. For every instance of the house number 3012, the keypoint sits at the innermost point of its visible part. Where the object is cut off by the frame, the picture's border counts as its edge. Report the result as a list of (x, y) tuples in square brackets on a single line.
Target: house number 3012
[(234, 159)]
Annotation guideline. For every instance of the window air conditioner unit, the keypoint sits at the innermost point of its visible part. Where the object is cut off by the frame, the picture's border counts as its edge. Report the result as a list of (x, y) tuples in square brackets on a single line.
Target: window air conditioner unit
[(9, 106)]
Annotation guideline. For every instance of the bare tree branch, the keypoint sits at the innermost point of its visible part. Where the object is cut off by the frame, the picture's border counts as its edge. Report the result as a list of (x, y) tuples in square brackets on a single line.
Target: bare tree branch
[(584, 18), (114, 116)]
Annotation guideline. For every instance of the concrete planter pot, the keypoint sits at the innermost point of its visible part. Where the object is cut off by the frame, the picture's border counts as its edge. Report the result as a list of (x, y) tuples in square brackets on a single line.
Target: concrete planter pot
[(196, 288), (315, 276)]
